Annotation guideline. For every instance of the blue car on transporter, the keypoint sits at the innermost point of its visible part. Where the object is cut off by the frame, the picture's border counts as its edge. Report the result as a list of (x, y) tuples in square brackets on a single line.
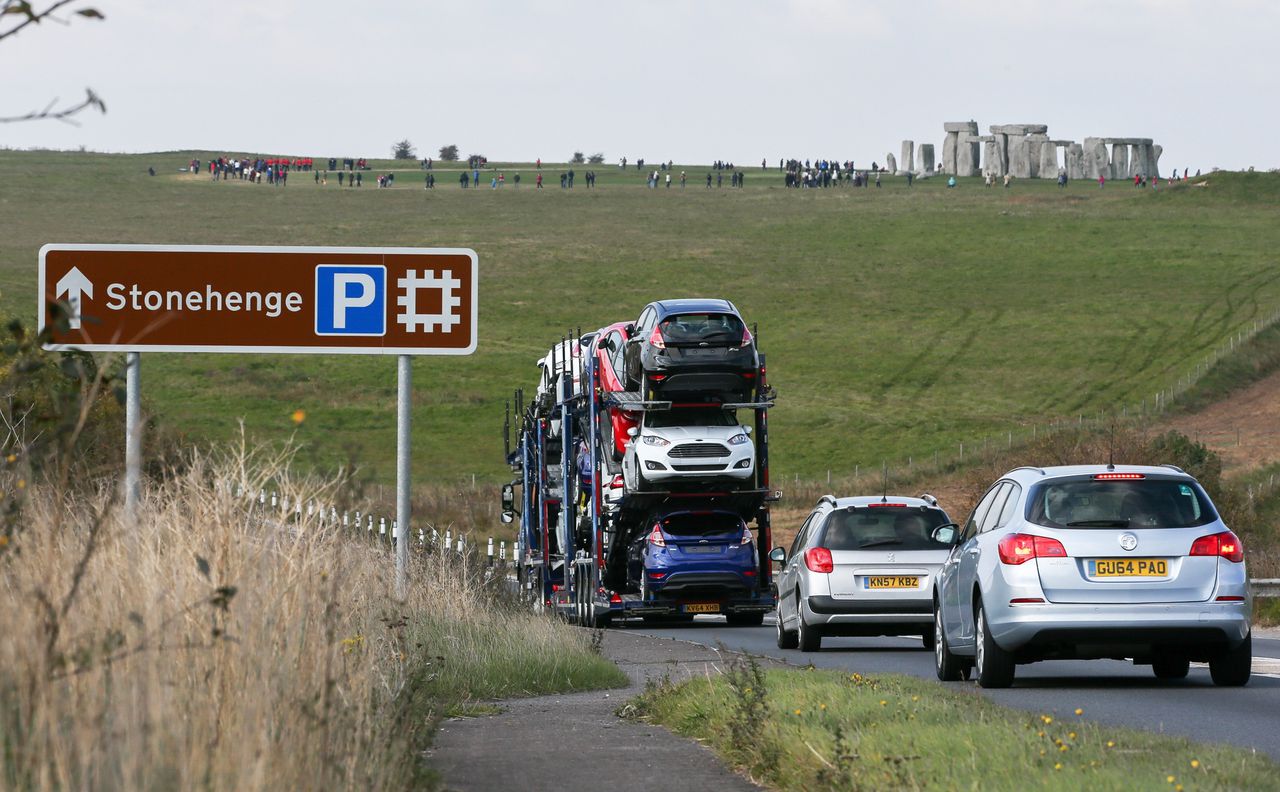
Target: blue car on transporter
[(702, 561)]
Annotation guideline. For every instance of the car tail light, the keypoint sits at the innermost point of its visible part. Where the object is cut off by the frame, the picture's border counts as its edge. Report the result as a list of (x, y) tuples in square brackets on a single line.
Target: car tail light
[(656, 538), (1230, 599), (1225, 544), (818, 559), (657, 575), (617, 482), (1118, 477), (746, 336), (749, 572), (890, 505), (1020, 548), (1027, 601), (615, 598), (655, 338), (747, 538)]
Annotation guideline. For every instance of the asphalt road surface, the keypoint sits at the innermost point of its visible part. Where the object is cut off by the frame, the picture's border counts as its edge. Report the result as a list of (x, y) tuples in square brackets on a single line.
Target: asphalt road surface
[(1109, 691)]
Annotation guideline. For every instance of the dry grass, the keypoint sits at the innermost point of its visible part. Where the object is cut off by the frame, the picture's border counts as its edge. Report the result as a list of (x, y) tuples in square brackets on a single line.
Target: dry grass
[(202, 646)]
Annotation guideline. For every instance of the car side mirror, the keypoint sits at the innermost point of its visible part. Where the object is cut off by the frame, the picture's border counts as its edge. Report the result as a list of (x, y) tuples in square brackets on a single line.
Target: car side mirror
[(778, 556), (508, 517), (746, 430), (632, 431), (946, 534), (508, 497), (630, 329)]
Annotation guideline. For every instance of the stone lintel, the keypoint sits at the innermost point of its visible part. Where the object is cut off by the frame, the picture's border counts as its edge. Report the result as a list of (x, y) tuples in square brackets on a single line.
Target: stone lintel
[(1019, 129), (960, 126)]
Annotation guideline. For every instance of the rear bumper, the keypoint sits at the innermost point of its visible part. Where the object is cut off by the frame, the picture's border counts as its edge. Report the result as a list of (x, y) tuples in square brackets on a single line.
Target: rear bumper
[(703, 584), (1057, 630), (845, 616)]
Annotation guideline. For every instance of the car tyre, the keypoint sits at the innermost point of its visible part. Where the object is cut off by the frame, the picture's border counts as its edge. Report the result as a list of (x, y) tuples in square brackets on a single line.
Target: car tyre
[(808, 637), (994, 665), (787, 639), (949, 667), (745, 619), (1232, 667), (1170, 667)]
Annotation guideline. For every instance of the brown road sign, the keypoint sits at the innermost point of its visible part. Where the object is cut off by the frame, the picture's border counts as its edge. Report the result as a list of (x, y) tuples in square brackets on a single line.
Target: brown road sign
[(400, 301)]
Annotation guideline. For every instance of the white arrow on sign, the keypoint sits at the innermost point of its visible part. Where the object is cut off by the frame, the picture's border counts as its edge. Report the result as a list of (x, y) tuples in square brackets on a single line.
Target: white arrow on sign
[(74, 284)]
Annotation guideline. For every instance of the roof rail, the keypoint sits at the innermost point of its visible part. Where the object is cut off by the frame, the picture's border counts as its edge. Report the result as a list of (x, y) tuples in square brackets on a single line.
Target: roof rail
[(1030, 467), (1175, 467), (828, 499)]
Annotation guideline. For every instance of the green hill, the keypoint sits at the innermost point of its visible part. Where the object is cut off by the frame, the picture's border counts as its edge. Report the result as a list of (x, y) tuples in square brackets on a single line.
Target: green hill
[(897, 321)]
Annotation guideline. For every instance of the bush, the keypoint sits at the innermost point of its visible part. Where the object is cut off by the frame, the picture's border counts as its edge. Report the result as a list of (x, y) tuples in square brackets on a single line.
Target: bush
[(596, 159), (449, 153), (578, 158)]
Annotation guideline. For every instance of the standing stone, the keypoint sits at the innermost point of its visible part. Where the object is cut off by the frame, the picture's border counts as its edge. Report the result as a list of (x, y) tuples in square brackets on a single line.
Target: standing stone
[(990, 159), (1095, 161), (1020, 158), (890, 164), (1074, 160), (1048, 167), (926, 158), (1119, 161), (968, 155), (1001, 161), (1037, 143), (909, 156), (1156, 151), (951, 144)]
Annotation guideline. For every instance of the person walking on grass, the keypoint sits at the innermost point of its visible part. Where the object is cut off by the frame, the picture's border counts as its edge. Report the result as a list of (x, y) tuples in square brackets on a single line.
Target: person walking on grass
[(1102, 181), (538, 185), (668, 180), (682, 178), (708, 181)]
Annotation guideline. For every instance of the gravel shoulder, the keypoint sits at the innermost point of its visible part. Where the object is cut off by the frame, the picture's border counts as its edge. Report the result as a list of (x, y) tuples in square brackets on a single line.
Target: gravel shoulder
[(576, 742)]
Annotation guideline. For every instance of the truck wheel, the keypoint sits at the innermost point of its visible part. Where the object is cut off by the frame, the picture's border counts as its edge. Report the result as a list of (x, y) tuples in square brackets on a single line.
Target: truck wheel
[(1170, 667), (994, 665), (949, 667), (787, 639), (745, 619), (1231, 668)]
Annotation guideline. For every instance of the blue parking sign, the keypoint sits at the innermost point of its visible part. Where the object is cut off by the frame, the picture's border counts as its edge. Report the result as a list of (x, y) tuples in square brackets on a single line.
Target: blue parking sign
[(351, 300)]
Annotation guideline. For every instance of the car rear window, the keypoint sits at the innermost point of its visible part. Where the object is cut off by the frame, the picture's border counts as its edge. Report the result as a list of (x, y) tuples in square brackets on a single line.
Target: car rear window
[(1146, 503), (889, 527), (716, 329), (702, 524)]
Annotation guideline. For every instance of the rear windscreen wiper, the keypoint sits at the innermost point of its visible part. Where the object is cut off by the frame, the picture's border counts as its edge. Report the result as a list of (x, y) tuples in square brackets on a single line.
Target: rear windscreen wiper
[(879, 542), (1121, 523)]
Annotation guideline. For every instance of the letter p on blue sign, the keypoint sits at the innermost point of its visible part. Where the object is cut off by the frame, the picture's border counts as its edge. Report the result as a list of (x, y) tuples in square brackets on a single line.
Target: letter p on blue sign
[(351, 300)]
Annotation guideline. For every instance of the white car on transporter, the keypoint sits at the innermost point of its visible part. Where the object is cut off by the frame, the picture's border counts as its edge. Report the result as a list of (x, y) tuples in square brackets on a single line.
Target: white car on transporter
[(688, 445)]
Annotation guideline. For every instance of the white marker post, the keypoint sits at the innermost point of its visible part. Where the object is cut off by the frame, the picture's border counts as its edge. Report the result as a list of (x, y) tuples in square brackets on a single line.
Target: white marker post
[(132, 434)]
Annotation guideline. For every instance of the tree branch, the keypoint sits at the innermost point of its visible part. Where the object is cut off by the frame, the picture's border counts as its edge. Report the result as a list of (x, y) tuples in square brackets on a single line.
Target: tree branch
[(91, 99)]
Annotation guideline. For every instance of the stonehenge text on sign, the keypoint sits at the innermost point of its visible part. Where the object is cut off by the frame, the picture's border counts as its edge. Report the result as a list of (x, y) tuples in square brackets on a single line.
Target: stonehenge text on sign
[(322, 300)]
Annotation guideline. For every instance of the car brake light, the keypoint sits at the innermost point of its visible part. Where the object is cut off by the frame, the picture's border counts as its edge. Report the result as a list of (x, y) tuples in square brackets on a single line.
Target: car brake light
[(747, 538), (749, 572), (818, 559), (656, 538), (1020, 548), (746, 336), (1118, 477), (617, 482), (655, 338), (1225, 544), (891, 505)]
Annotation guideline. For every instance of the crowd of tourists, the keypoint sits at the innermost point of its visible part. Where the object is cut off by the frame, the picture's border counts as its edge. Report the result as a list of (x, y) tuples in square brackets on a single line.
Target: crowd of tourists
[(274, 170)]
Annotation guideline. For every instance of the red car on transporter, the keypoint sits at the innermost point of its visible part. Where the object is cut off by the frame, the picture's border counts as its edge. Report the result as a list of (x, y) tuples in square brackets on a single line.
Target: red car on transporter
[(609, 345)]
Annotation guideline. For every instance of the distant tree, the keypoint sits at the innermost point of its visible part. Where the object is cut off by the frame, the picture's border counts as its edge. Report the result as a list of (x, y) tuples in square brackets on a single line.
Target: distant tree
[(578, 158), (596, 159), (404, 150), (449, 153), (18, 14)]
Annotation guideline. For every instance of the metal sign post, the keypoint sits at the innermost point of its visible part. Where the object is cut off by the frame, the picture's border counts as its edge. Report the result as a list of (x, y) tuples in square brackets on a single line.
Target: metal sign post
[(404, 418), (216, 298)]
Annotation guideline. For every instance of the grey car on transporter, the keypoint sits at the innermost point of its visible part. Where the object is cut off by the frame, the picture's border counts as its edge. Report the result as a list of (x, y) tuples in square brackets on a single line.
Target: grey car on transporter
[(860, 566), (1093, 561)]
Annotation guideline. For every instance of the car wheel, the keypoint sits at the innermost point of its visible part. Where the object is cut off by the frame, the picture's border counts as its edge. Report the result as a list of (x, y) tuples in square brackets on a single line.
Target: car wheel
[(808, 637), (949, 667), (994, 665), (745, 619), (1231, 668), (787, 639), (1170, 667)]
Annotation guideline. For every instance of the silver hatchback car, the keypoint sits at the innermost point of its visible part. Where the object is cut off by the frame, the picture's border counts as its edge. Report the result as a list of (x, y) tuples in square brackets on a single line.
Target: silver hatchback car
[(860, 566), (1093, 561)]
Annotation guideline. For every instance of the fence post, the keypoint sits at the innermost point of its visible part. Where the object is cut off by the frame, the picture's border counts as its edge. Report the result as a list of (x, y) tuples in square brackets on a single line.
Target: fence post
[(490, 551)]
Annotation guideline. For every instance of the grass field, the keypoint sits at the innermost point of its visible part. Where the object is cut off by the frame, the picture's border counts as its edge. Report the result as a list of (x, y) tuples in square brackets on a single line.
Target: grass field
[(897, 321), (817, 730)]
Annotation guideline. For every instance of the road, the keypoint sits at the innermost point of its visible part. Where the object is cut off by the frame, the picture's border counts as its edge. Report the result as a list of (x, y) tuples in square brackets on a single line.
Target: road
[(1110, 692)]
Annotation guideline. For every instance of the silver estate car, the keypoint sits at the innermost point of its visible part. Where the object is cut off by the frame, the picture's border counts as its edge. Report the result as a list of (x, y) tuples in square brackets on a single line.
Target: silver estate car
[(1093, 561), (860, 566)]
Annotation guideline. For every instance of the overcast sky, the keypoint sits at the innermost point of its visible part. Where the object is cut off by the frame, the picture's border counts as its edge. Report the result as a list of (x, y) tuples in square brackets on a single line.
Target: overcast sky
[(690, 81)]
